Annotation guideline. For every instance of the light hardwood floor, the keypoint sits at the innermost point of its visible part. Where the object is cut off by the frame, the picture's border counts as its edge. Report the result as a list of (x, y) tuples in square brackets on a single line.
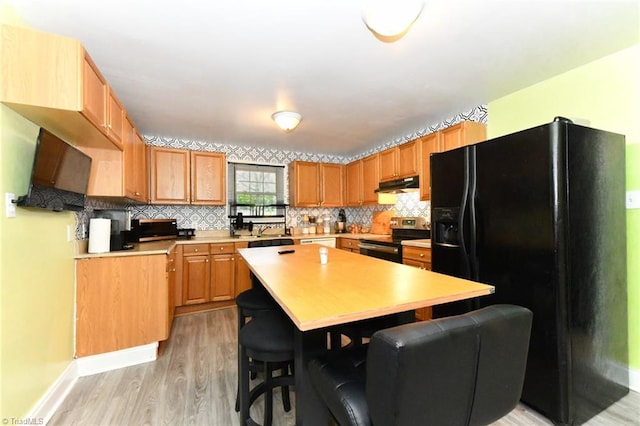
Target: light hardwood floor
[(194, 382)]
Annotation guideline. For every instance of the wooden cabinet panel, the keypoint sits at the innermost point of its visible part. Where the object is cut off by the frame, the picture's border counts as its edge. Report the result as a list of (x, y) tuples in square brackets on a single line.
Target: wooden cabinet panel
[(407, 160), (354, 183), (316, 184), (172, 281), (187, 177), (222, 277), (169, 176), (370, 180), (419, 257), (387, 160), (115, 120), (52, 81), (94, 91), (304, 184), (135, 163), (399, 162), (208, 178), (332, 185), (195, 279), (462, 134), (427, 145), (122, 302), (349, 244)]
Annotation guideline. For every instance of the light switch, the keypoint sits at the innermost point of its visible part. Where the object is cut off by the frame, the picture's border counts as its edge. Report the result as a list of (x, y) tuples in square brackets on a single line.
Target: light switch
[(9, 204), (633, 200)]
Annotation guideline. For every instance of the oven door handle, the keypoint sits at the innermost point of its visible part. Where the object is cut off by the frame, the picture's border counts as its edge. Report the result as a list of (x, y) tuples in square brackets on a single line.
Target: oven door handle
[(383, 249)]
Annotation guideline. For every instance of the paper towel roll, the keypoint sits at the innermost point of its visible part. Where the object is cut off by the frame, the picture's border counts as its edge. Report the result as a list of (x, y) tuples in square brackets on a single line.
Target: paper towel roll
[(99, 235)]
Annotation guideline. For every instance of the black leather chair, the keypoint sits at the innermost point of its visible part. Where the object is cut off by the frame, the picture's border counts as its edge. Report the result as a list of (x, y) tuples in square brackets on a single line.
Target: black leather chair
[(461, 370)]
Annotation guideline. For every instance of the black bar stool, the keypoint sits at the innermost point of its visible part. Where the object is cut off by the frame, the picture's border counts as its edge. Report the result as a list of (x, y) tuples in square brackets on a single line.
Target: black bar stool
[(266, 339)]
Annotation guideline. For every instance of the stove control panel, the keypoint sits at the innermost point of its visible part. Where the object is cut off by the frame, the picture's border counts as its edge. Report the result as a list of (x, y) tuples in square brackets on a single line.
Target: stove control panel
[(409, 223)]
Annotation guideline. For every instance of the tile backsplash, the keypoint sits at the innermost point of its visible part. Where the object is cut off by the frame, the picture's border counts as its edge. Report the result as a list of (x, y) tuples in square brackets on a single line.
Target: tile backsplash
[(215, 218)]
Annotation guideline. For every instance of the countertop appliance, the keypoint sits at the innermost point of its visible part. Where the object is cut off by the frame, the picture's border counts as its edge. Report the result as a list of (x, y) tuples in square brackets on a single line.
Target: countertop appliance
[(120, 227), (540, 214), (144, 230), (324, 241), (390, 248)]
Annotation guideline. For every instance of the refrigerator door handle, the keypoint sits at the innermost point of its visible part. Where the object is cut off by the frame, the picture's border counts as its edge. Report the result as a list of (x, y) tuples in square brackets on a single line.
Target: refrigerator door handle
[(462, 214), (473, 219)]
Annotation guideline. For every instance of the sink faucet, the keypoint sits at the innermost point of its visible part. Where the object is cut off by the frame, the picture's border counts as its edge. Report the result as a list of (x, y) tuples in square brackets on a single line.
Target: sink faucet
[(261, 229)]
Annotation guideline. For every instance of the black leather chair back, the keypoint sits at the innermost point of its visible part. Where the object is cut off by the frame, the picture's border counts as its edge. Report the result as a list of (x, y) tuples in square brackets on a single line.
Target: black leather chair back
[(462, 370)]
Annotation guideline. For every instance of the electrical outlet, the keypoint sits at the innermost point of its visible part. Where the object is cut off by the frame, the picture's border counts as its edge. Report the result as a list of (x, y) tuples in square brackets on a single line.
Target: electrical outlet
[(9, 204), (633, 200), (70, 233)]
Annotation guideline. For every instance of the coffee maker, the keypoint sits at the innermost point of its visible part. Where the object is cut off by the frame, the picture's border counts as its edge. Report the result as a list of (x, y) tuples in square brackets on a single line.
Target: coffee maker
[(120, 227)]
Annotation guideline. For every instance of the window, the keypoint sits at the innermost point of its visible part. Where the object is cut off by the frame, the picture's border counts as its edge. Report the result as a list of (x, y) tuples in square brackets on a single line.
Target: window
[(256, 190)]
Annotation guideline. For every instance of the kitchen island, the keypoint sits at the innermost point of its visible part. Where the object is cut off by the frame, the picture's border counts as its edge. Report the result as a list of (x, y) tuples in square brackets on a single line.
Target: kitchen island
[(350, 287)]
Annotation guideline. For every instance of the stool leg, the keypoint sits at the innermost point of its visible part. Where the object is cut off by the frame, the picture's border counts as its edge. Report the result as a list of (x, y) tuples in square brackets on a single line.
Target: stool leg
[(268, 395), (243, 384), (286, 399)]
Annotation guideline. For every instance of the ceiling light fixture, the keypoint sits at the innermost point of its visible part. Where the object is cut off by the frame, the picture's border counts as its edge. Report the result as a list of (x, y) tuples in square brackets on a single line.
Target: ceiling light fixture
[(287, 120), (390, 20)]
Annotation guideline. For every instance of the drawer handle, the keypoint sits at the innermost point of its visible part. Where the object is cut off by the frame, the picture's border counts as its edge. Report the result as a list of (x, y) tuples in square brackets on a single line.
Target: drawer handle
[(421, 254), (195, 250)]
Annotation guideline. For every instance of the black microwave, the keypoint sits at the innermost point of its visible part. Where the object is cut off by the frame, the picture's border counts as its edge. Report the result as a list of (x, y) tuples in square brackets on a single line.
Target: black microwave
[(143, 230)]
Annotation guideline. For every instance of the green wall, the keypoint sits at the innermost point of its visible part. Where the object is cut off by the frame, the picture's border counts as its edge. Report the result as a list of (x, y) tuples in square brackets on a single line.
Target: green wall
[(607, 93), (36, 278)]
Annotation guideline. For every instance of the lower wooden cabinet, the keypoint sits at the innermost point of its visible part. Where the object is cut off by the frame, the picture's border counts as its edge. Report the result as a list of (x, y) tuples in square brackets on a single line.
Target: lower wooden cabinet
[(121, 302), (349, 244), (208, 273), (196, 274), (222, 283), (419, 257)]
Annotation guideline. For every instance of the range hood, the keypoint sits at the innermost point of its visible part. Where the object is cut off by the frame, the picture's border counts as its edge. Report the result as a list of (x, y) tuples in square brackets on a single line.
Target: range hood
[(398, 186)]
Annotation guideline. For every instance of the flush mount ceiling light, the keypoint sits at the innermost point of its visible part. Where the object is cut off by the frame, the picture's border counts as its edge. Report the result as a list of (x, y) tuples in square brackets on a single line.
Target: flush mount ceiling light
[(390, 20), (287, 120)]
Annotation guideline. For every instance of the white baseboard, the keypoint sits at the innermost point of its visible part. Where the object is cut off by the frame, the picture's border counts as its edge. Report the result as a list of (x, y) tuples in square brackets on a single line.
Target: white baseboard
[(634, 380), (53, 397), (94, 364)]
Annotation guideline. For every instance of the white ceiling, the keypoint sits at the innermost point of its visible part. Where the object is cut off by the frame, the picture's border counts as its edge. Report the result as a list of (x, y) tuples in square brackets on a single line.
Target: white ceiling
[(215, 70)]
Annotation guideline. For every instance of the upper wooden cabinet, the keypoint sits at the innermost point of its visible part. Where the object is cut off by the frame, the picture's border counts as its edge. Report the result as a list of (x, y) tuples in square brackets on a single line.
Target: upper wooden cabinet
[(135, 163), (464, 133), (115, 120), (362, 180), (399, 162), (426, 146), (354, 183), (208, 178), (370, 179), (52, 81), (187, 177), (316, 184)]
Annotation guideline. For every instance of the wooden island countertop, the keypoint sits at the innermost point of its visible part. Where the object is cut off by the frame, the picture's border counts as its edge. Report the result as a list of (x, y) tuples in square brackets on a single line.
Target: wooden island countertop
[(350, 287)]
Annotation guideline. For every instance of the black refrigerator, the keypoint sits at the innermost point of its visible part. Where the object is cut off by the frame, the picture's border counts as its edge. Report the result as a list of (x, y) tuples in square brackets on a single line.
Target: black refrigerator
[(540, 214)]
